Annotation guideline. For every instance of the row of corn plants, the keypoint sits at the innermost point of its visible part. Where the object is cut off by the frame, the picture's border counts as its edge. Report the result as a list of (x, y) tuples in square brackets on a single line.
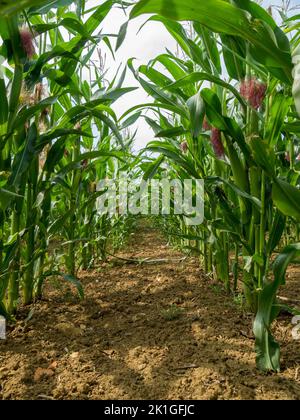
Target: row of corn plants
[(59, 136), (226, 110)]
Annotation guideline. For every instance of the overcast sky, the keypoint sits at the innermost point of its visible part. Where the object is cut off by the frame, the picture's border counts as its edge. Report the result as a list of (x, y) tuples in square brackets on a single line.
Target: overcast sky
[(151, 41)]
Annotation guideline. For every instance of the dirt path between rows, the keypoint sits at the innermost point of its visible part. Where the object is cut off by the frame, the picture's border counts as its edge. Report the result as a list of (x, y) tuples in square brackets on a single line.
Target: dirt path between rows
[(150, 331)]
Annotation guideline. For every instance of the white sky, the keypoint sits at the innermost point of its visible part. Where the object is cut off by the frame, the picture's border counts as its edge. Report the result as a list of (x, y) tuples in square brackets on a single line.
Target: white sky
[(151, 41)]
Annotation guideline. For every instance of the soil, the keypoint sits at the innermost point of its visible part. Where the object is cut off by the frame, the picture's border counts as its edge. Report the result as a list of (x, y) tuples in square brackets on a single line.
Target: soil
[(159, 330)]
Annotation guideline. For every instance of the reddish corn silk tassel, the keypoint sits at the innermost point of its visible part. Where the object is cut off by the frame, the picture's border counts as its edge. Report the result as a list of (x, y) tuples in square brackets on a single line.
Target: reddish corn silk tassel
[(27, 42), (84, 163), (184, 147), (39, 92), (42, 127), (253, 91), (216, 142), (45, 112), (26, 98), (43, 157), (288, 157), (206, 126)]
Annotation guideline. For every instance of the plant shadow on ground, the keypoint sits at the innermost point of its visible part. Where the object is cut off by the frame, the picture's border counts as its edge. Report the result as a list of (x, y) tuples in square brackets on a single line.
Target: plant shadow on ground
[(118, 343)]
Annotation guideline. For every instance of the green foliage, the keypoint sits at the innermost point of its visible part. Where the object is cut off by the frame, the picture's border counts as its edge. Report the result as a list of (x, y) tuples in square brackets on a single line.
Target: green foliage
[(268, 45), (240, 136), (268, 352), (58, 137)]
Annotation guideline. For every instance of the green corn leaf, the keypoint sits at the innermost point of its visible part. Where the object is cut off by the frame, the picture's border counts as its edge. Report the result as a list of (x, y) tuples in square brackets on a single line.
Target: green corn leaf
[(259, 13), (293, 127), (218, 180), (112, 95), (159, 79), (55, 154), (75, 164), (71, 279), (197, 112), (219, 16), (200, 76), (172, 132), (10, 7), (27, 113), (173, 65), (24, 157), (210, 44), (6, 197), (3, 102), (234, 51), (130, 120), (70, 23), (46, 138), (213, 109), (3, 311), (58, 223), (121, 35), (175, 155), (179, 34), (156, 107), (276, 232), (98, 16), (45, 6), (63, 50), (287, 256), (267, 349), (286, 198), (91, 109), (278, 113), (264, 156), (222, 17), (155, 126), (153, 167)]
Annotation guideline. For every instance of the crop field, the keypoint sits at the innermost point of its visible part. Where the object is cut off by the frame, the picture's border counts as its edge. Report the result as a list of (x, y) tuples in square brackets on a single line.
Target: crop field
[(149, 204)]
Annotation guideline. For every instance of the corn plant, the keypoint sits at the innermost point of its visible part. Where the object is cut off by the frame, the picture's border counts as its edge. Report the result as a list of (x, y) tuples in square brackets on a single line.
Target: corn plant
[(59, 137), (233, 122)]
